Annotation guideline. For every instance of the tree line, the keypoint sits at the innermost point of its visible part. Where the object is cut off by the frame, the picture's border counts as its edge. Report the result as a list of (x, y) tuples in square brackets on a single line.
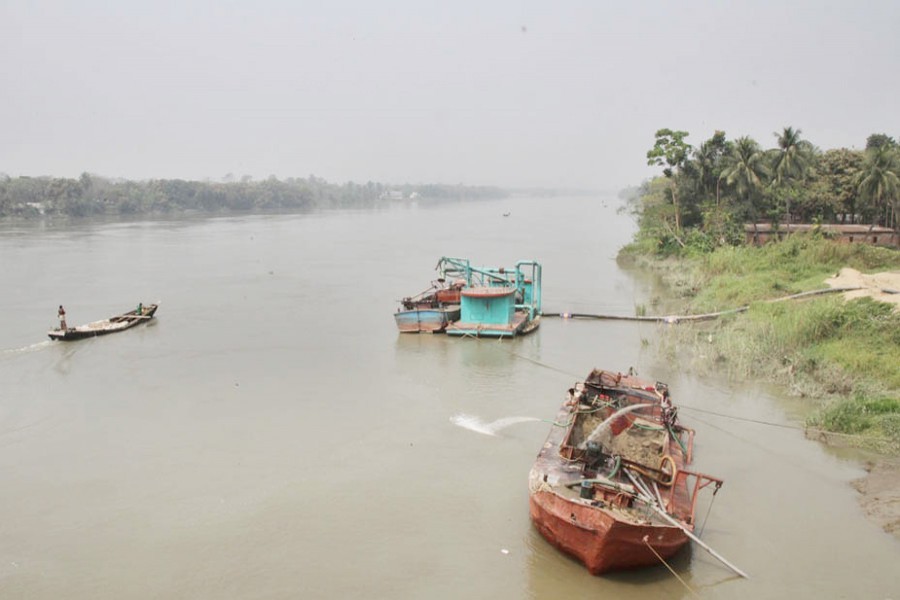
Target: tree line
[(706, 193), (91, 195)]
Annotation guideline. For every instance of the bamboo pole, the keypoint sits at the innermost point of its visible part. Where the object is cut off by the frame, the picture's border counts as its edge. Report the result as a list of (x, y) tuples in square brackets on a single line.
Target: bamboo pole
[(703, 545), (646, 497)]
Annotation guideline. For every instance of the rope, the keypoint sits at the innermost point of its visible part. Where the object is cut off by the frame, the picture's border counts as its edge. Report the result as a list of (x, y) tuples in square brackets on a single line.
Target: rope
[(710, 412), (708, 510), (544, 365), (748, 420), (701, 410), (671, 570), (782, 425)]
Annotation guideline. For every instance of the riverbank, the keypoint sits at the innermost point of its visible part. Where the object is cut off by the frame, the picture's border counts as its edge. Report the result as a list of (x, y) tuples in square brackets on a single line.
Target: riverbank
[(879, 493), (835, 352), (880, 488)]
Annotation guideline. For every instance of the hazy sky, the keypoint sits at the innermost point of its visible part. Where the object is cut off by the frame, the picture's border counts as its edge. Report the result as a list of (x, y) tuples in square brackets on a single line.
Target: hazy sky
[(511, 93)]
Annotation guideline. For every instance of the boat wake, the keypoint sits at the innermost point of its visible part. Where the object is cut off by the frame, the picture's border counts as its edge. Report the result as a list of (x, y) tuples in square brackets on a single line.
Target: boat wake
[(27, 349), (473, 423)]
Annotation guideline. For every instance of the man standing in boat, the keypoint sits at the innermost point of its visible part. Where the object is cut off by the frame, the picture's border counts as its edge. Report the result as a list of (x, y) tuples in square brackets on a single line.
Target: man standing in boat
[(61, 313)]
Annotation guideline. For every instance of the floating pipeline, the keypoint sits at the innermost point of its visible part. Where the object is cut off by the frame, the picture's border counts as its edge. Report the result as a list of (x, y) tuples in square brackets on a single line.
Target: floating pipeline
[(673, 319)]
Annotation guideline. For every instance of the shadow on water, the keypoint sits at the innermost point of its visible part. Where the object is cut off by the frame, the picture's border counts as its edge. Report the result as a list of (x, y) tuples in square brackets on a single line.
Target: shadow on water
[(420, 344), (486, 354), (551, 572), (66, 352)]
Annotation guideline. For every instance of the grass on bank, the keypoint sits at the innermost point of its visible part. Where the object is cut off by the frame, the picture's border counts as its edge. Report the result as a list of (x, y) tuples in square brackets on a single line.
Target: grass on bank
[(844, 356)]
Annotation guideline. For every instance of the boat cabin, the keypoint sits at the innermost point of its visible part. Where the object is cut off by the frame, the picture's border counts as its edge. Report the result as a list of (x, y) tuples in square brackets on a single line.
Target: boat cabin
[(496, 302), (489, 305)]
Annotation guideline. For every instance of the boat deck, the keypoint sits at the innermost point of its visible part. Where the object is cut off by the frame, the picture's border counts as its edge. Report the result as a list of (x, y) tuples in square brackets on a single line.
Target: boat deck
[(519, 325), (560, 477)]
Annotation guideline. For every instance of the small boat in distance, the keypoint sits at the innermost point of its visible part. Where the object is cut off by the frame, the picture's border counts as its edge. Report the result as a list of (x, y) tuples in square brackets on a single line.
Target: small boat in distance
[(430, 311), (610, 485), (111, 325)]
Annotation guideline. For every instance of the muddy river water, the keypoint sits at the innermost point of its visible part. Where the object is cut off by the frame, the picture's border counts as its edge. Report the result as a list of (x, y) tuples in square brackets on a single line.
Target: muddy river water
[(271, 435)]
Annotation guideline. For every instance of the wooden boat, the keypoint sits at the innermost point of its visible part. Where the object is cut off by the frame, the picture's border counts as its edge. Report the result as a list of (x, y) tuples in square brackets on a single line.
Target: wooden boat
[(111, 325), (430, 311), (611, 485)]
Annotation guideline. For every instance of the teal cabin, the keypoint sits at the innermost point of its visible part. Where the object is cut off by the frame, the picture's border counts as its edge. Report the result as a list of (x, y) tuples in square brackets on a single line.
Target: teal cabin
[(489, 305), (495, 302)]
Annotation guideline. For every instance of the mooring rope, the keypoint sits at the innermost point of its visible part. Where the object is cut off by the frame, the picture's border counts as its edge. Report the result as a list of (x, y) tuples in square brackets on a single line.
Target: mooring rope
[(783, 425), (543, 365), (701, 410), (747, 419), (708, 510), (671, 570)]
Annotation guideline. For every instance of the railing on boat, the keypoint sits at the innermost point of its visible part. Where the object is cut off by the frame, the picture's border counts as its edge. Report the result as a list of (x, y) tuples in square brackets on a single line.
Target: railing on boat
[(525, 277)]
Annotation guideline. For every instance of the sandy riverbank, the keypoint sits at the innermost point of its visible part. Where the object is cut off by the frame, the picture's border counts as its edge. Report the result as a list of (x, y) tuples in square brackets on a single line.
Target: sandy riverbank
[(880, 494), (884, 287)]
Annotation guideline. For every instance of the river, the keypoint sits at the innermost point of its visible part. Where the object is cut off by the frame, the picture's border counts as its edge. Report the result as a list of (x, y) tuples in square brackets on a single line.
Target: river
[(270, 434)]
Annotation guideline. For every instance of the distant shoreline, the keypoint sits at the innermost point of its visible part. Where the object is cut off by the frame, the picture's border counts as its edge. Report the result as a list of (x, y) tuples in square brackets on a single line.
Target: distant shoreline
[(30, 198)]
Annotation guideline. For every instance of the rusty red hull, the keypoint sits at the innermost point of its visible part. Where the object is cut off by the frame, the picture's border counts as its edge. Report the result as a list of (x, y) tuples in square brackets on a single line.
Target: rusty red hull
[(610, 486), (599, 540)]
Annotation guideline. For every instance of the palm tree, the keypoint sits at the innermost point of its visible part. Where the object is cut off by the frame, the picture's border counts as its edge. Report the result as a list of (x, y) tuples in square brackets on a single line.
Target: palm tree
[(793, 157), (709, 158), (878, 182), (746, 169), (792, 162)]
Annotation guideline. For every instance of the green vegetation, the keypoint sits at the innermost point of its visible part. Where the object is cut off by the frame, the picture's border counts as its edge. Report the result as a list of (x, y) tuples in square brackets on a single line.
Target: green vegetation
[(738, 276), (842, 355), (706, 194), (30, 197)]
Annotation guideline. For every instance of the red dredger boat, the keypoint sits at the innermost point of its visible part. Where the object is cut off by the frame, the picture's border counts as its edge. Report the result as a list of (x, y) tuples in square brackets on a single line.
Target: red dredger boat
[(610, 485)]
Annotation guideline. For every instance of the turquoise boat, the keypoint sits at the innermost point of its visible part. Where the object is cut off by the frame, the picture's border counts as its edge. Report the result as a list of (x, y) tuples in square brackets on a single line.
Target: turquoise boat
[(495, 301)]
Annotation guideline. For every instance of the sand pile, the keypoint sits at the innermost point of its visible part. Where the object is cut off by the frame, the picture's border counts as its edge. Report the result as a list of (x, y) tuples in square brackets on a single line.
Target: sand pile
[(884, 287)]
